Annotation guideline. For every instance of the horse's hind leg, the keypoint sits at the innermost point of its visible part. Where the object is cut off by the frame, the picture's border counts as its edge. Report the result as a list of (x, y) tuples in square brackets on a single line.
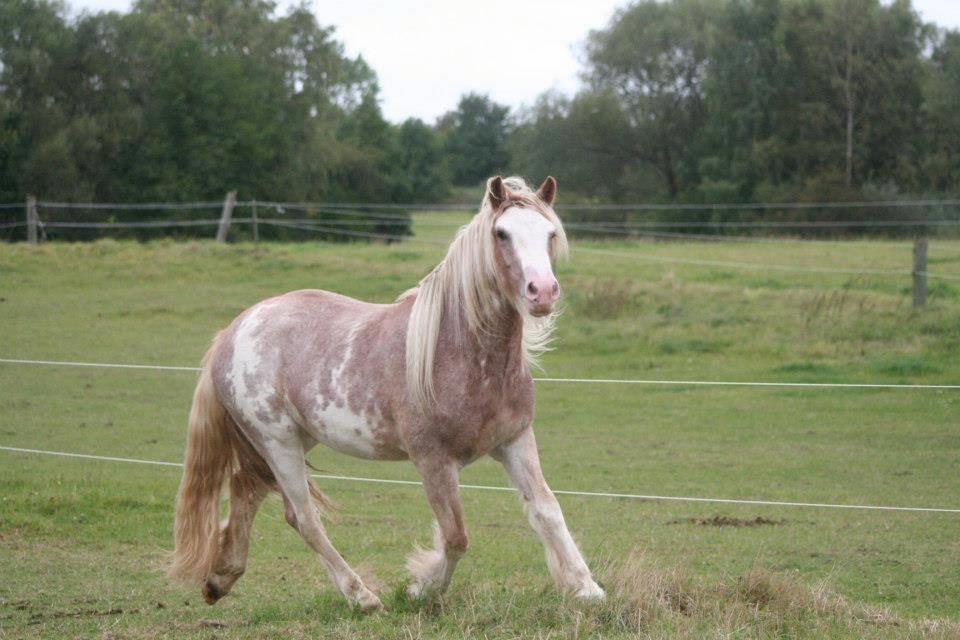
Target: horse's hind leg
[(247, 492), (287, 464), (433, 568)]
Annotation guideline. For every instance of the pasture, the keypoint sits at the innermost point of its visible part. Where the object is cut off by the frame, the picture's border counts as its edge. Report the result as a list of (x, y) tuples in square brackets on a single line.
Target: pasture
[(82, 542)]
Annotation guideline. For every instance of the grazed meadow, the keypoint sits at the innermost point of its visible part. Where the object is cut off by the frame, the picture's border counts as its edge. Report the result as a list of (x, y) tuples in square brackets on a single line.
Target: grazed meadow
[(82, 542)]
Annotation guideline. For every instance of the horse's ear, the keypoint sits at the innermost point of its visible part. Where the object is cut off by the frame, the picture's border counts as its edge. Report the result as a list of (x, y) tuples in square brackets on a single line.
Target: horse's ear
[(548, 190), (496, 191)]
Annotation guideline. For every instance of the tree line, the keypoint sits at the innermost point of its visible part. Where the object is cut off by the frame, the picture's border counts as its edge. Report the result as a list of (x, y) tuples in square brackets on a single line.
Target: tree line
[(181, 100), (756, 100), (681, 101)]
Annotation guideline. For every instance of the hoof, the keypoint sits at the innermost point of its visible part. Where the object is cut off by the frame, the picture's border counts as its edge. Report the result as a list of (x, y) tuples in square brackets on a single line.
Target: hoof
[(211, 592), (418, 590), (367, 601), (591, 591)]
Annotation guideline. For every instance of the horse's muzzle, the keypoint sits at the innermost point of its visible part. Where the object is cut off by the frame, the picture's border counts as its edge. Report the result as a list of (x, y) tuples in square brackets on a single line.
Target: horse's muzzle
[(540, 293)]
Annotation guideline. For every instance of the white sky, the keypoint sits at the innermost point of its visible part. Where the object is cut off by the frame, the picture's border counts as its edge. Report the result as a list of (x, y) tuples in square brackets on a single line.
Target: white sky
[(427, 54)]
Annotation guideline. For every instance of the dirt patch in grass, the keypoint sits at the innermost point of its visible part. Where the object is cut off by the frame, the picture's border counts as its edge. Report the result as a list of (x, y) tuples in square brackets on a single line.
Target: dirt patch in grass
[(37, 618), (211, 624), (726, 521)]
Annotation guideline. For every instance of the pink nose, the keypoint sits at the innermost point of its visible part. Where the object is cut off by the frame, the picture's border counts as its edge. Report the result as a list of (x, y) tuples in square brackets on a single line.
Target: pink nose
[(542, 290)]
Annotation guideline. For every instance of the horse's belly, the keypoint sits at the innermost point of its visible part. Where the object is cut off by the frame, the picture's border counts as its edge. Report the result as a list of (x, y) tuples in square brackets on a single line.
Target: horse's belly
[(354, 434)]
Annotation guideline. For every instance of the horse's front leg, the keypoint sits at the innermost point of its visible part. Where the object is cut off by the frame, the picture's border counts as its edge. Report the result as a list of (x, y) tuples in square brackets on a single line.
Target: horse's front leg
[(522, 464), (433, 568)]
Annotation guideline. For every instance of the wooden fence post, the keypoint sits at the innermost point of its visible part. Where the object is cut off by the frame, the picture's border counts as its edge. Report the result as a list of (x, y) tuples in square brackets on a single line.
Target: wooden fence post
[(226, 216), (32, 219), (919, 272), (256, 226)]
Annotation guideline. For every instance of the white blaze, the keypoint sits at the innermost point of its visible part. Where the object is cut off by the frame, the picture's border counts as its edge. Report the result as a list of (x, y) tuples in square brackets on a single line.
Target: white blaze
[(530, 238)]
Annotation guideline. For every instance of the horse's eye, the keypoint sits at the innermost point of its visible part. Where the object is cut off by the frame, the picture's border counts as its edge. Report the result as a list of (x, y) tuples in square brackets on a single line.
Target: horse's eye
[(503, 235)]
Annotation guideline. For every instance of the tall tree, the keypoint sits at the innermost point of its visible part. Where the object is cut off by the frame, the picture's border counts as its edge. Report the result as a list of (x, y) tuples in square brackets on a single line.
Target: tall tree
[(178, 99), (743, 98), (873, 53), (417, 161), (653, 57), (476, 133), (940, 170), (587, 142)]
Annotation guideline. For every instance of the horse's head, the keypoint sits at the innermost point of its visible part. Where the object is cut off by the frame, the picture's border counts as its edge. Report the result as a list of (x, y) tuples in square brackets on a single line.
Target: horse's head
[(501, 261), (527, 237)]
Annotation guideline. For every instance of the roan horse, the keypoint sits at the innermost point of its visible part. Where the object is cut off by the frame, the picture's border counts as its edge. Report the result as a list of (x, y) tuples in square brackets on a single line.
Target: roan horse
[(441, 377)]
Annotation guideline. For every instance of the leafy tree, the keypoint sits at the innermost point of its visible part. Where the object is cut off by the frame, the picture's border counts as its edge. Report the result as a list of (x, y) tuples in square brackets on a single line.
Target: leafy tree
[(737, 100), (870, 54), (417, 162), (586, 142), (653, 58), (476, 134), (688, 100), (183, 99), (940, 168), (176, 100), (35, 49), (743, 89)]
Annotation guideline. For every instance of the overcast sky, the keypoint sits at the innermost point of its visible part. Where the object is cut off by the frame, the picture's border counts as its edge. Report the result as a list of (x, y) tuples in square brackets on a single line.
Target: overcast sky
[(427, 54)]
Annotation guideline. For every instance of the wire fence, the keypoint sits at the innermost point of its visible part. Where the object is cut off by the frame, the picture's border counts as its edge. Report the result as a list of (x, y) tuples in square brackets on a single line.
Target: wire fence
[(765, 266), (392, 223), (620, 381), (787, 223), (255, 221), (776, 221), (582, 493), (326, 217), (485, 487), (308, 225)]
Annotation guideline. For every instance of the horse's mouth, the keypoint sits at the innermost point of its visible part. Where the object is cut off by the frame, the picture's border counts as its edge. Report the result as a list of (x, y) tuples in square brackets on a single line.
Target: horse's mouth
[(539, 310)]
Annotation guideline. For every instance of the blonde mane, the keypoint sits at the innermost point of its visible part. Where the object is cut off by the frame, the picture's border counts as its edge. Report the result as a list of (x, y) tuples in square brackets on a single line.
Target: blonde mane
[(467, 280)]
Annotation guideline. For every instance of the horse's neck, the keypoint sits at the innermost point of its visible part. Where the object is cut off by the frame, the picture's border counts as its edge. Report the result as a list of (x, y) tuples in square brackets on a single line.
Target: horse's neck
[(500, 347)]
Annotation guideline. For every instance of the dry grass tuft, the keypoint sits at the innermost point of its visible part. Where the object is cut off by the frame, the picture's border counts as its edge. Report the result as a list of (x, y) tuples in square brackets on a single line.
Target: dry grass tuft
[(641, 593), (653, 601), (781, 594)]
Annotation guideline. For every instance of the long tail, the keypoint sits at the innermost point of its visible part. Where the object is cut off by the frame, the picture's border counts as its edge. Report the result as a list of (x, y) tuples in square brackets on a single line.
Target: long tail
[(209, 458), (215, 450)]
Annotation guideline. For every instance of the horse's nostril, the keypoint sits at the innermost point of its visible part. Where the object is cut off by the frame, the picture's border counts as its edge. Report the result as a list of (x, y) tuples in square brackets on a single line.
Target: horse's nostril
[(556, 287), (532, 288)]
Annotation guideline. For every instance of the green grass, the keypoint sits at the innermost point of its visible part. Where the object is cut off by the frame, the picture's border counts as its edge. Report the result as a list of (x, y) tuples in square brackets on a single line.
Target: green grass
[(82, 542)]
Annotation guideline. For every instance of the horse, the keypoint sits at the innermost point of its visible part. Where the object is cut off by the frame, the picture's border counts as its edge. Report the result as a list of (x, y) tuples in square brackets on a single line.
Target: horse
[(440, 377)]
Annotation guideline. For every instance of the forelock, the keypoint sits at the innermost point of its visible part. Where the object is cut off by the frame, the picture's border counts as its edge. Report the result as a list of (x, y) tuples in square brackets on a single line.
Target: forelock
[(519, 194)]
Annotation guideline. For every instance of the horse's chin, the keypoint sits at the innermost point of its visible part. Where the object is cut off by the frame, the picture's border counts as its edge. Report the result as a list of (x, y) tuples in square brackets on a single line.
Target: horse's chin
[(539, 310)]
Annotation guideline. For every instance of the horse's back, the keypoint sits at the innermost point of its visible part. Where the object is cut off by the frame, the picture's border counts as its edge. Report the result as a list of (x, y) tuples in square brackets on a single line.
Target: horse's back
[(308, 323), (316, 361)]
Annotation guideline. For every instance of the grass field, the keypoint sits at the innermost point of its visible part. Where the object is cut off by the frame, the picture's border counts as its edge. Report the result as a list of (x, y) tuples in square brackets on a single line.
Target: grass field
[(82, 542)]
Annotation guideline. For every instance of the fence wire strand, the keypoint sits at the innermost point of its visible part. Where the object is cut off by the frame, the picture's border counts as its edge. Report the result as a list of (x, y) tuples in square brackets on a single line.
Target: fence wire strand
[(132, 206), (763, 266), (879, 204), (687, 383), (361, 214), (484, 487)]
